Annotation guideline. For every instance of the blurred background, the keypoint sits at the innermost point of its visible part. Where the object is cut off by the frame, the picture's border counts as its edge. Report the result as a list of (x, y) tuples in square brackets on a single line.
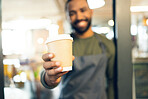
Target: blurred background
[(26, 24)]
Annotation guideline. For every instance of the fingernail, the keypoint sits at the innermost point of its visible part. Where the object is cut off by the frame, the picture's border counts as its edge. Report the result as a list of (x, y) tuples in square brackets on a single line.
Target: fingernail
[(57, 63), (50, 55), (59, 69)]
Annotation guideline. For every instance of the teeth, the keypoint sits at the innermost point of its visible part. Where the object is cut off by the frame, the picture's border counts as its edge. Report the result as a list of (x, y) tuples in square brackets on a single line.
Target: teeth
[(82, 23)]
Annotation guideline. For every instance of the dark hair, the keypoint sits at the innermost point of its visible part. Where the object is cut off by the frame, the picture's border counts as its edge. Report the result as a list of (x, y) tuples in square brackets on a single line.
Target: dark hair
[(67, 4)]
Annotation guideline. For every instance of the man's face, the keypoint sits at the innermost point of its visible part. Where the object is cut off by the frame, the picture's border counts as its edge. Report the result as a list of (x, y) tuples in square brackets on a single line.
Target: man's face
[(80, 15)]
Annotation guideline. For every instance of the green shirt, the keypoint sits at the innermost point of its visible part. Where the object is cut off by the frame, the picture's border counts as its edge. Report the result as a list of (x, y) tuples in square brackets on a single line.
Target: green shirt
[(90, 46)]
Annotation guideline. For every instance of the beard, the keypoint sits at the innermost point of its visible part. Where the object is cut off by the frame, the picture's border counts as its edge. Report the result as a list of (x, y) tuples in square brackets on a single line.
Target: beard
[(81, 30)]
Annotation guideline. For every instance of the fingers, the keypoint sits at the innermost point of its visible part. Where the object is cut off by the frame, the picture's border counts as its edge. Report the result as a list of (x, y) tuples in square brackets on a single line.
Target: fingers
[(47, 56), (55, 77), (51, 64), (73, 58), (54, 71), (62, 73), (53, 68)]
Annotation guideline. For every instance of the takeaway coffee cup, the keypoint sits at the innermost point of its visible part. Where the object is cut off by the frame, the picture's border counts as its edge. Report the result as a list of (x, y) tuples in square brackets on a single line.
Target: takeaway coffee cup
[(61, 46)]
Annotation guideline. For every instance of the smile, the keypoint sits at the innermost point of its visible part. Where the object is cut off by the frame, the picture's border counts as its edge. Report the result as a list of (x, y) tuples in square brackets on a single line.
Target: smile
[(81, 23)]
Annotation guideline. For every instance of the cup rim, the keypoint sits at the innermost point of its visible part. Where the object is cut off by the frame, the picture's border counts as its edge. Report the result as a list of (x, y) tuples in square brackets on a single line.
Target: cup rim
[(58, 37)]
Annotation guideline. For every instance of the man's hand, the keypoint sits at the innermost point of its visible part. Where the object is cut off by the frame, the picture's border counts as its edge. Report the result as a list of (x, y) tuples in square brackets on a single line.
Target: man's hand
[(53, 70)]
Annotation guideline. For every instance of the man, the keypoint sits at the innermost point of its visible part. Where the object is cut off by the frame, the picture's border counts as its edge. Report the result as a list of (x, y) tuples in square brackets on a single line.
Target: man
[(92, 74)]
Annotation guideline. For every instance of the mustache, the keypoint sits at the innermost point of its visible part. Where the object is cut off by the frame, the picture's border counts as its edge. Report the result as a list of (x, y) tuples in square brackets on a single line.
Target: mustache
[(77, 21)]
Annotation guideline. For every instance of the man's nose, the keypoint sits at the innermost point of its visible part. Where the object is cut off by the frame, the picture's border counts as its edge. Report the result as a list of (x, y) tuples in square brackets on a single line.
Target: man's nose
[(79, 15)]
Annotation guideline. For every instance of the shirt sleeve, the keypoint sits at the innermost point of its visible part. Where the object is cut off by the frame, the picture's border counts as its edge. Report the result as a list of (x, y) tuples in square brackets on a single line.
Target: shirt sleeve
[(43, 79)]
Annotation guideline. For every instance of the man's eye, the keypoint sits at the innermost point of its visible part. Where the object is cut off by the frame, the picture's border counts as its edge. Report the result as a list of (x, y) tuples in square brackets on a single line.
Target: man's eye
[(83, 10), (71, 13)]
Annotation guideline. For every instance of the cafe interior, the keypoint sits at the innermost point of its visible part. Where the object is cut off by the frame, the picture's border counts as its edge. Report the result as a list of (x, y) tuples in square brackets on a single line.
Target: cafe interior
[(26, 24)]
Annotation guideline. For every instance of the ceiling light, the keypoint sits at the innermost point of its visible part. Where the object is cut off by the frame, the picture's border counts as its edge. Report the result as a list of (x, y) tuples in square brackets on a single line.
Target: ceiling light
[(139, 8), (40, 40), (95, 3), (111, 23)]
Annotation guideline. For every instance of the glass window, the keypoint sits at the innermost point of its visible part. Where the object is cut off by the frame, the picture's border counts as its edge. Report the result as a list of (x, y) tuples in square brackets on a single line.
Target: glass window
[(139, 32)]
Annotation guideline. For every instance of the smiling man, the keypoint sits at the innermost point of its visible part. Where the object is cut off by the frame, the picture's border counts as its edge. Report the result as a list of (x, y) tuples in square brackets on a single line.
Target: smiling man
[(92, 74), (80, 16)]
